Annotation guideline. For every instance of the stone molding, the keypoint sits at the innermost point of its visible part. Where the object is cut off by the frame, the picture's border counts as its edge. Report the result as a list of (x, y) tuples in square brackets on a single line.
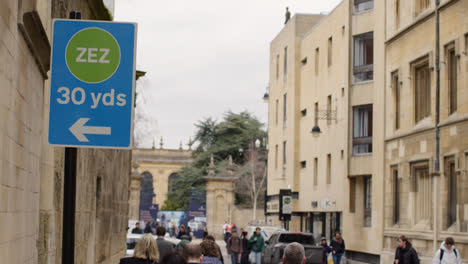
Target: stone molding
[(33, 32)]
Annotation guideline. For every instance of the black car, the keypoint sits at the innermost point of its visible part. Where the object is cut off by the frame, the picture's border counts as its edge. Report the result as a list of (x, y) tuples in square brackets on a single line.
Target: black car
[(275, 246)]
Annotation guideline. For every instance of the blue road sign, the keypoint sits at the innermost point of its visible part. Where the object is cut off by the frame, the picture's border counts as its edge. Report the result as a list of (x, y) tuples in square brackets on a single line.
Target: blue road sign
[(92, 84)]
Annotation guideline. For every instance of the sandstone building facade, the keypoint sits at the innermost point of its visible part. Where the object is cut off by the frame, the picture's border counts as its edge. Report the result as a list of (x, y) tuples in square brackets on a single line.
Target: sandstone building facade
[(32, 172), (424, 205), (332, 130)]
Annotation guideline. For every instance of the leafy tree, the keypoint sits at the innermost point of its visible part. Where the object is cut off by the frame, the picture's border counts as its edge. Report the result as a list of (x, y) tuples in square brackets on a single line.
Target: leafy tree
[(220, 139)]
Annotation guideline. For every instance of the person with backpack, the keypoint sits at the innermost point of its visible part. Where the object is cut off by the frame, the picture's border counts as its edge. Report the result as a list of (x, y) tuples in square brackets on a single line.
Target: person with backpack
[(447, 253), (258, 246), (405, 253)]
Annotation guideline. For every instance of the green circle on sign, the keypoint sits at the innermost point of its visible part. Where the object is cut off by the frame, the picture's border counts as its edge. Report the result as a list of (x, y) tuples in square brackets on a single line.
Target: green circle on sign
[(92, 55)]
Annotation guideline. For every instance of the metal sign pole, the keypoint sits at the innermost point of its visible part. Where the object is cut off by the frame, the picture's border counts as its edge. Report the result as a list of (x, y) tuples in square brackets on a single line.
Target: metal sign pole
[(69, 196)]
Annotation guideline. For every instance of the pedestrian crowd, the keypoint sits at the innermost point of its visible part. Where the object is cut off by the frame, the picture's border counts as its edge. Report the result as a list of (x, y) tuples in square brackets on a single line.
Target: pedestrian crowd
[(246, 250)]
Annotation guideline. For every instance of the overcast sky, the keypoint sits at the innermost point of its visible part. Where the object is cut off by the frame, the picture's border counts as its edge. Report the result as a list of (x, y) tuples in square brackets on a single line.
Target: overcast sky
[(202, 59)]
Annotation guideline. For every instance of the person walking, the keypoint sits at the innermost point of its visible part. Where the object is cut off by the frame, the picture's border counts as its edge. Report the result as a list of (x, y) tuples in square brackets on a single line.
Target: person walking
[(146, 252), (258, 246), (173, 258), (338, 248), (205, 232), (210, 252), (164, 246), (447, 253), (193, 253), (245, 248), (137, 229), (294, 253), (234, 247), (212, 239), (148, 229), (184, 240), (181, 232), (405, 253)]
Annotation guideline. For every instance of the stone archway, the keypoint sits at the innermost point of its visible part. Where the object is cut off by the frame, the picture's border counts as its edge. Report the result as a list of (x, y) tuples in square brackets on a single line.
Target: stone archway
[(146, 189)]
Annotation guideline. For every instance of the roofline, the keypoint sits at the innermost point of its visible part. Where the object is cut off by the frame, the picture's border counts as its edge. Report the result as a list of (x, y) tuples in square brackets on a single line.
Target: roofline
[(321, 20)]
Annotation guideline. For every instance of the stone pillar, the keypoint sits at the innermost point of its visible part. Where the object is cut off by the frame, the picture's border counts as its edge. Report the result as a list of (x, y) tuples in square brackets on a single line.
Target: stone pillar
[(134, 201), (219, 203)]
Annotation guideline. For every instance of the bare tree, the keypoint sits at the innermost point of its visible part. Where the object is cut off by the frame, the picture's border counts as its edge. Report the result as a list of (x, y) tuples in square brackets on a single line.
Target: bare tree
[(252, 176)]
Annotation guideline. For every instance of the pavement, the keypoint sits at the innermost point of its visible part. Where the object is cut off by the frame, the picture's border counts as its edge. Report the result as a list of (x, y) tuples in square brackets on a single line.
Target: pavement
[(226, 256)]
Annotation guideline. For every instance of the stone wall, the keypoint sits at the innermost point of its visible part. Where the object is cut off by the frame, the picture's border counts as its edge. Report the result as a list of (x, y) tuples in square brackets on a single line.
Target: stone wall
[(31, 172)]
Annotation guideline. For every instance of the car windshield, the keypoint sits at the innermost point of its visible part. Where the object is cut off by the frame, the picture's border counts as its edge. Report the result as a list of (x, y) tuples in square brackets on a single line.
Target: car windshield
[(131, 243), (299, 238)]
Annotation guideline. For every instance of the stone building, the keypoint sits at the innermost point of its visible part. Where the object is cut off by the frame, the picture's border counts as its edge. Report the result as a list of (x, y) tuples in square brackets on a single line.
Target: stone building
[(322, 140), (352, 125), (32, 172), (159, 167), (419, 202)]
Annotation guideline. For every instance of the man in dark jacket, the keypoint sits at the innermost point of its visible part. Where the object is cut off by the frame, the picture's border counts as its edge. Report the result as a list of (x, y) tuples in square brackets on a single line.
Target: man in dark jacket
[(164, 247), (245, 248), (337, 247), (137, 229), (405, 253)]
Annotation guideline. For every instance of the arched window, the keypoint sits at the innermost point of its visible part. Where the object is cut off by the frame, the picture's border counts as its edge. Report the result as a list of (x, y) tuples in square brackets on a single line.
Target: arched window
[(171, 181), (146, 188)]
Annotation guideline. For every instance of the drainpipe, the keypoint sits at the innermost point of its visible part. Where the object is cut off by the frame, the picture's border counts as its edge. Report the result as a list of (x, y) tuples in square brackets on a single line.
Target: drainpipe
[(437, 158)]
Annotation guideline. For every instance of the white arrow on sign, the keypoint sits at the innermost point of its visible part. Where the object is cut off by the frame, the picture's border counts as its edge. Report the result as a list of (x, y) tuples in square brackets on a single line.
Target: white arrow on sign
[(78, 129)]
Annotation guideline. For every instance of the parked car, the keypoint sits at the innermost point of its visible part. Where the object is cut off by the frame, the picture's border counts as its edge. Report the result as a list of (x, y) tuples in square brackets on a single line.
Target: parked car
[(132, 240), (275, 246), (266, 231)]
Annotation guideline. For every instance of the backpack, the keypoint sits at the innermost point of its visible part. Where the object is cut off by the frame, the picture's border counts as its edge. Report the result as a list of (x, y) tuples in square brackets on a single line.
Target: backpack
[(442, 254)]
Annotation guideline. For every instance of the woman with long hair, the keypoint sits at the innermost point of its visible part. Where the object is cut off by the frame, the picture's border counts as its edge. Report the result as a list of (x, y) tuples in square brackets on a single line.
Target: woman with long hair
[(146, 252), (182, 232)]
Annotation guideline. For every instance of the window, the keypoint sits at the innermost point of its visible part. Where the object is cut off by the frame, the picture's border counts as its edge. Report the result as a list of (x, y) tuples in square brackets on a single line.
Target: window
[(284, 158), (452, 192), (452, 78), (352, 195), (285, 63), (362, 129), (316, 114), (422, 186), (422, 91), (421, 5), (171, 182), (397, 14), (329, 168), (367, 201), (276, 156), (364, 57), (317, 60), (329, 108), (315, 171), (396, 196), (330, 50), (276, 111), (363, 5), (277, 66), (396, 92), (304, 112), (303, 164), (285, 108)]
